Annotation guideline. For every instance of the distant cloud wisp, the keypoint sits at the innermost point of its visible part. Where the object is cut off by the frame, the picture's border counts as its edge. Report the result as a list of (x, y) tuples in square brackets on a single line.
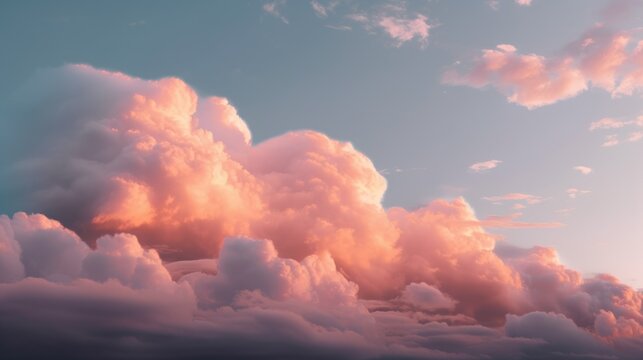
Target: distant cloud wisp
[(515, 197), (484, 165), (274, 8), (396, 22), (510, 222), (606, 123), (585, 170), (611, 140), (523, 2), (619, 125), (322, 10), (573, 193)]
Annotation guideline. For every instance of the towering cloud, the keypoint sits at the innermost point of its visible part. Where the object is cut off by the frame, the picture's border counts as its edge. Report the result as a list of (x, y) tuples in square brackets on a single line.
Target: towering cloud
[(177, 235)]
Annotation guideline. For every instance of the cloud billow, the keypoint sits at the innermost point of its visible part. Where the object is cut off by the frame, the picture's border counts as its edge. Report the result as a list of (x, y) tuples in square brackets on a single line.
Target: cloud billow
[(176, 236)]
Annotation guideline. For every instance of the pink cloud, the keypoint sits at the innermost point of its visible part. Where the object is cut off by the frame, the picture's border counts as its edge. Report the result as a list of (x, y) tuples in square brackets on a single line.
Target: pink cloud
[(601, 58), (51, 251), (635, 136), (426, 297), (396, 22), (274, 9), (633, 79), (403, 30), (585, 170), (483, 288), (484, 165), (126, 292), (146, 163), (509, 222), (606, 123), (254, 265), (282, 248), (573, 193), (601, 55), (529, 80), (523, 2), (611, 140), (527, 198), (322, 10)]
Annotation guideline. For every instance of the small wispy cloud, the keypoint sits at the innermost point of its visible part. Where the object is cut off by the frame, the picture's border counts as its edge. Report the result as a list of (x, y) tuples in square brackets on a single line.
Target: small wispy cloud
[(400, 170), (137, 23), (610, 140), (493, 4), (510, 222), (339, 27), (523, 2), (606, 123), (573, 193), (396, 22), (274, 8), (564, 211), (521, 197), (406, 29), (585, 170), (635, 136), (322, 10), (616, 124), (484, 165)]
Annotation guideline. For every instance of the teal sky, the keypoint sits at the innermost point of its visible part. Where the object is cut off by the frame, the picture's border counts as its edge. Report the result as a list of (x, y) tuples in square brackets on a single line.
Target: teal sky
[(292, 68)]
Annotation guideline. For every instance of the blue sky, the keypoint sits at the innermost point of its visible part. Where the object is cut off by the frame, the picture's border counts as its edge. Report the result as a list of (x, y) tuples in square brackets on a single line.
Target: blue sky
[(296, 69)]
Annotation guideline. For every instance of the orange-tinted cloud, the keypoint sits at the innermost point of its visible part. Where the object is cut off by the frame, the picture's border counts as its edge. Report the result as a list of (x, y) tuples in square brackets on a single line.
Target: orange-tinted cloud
[(282, 245), (601, 58), (259, 304)]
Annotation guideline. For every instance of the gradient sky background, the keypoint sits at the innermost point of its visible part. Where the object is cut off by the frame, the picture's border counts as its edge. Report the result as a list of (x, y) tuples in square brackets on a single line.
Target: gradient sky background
[(296, 69)]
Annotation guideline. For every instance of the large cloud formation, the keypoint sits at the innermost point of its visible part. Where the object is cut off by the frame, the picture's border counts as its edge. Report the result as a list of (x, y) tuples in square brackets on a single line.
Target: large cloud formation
[(280, 249)]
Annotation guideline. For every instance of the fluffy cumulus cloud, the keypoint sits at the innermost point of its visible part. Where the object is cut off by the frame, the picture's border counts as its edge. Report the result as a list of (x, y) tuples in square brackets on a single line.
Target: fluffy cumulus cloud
[(133, 155), (175, 234), (601, 58)]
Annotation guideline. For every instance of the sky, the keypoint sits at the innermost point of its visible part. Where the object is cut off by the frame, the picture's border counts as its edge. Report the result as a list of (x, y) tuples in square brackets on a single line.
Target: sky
[(443, 168)]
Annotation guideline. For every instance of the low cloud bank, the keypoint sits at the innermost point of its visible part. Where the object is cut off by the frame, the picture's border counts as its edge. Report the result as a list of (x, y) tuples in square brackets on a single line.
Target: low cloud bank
[(279, 249)]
